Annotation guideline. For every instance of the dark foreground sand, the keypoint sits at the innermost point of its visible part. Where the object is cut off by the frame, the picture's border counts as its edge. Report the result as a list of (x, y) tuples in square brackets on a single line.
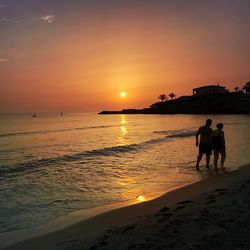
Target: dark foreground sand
[(210, 214)]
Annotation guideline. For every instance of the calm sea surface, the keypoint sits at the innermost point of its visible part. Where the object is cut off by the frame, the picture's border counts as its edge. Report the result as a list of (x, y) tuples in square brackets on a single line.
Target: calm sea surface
[(52, 165)]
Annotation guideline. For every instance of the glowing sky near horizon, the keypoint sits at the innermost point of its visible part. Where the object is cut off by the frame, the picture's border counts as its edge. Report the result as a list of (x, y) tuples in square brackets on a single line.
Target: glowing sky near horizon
[(77, 55)]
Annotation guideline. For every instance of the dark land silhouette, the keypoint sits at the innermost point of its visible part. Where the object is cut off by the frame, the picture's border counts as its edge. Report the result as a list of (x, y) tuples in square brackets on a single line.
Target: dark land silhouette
[(213, 102)]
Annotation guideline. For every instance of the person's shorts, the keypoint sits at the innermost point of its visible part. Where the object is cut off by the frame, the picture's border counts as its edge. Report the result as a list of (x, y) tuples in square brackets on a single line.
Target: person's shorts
[(220, 151), (205, 148)]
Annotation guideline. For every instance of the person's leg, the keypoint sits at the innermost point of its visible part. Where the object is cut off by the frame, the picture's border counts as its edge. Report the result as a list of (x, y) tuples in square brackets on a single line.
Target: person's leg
[(216, 158), (223, 157), (208, 153), (199, 157), (208, 160)]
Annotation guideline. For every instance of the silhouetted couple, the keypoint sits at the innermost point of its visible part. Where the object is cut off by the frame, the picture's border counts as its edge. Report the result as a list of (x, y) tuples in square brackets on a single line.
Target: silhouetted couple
[(211, 141)]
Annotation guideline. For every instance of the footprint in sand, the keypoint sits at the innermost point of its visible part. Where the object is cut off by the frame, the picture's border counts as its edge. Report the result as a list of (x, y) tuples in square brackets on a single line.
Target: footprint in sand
[(135, 218), (221, 193), (113, 230), (151, 240), (105, 236), (164, 209), (211, 197), (235, 202), (99, 245), (95, 247), (210, 202), (132, 247), (179, 208), (220, 189), (165, 217), (103, 243), (204, 211), (128, 228), (160, 220), (178, 222), (211, 207), (70, 243), (185, 202)]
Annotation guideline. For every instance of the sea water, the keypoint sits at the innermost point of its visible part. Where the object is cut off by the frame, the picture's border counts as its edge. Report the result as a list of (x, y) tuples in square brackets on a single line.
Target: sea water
[(52, 165)]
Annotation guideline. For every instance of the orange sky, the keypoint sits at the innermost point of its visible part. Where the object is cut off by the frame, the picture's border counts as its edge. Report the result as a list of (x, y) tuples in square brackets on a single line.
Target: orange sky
[(78, 56)]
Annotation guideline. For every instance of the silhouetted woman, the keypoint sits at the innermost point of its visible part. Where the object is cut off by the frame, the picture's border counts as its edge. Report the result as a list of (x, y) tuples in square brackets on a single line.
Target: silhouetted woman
[(219, 146)]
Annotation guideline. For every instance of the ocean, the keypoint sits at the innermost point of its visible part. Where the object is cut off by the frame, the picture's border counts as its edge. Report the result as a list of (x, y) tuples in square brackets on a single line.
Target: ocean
[(51, 166)]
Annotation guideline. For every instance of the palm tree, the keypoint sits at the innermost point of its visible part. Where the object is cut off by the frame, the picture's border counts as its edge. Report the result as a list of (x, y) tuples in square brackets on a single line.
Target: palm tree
[(236, 89), (162, 97), (247, 88), (172, 96)]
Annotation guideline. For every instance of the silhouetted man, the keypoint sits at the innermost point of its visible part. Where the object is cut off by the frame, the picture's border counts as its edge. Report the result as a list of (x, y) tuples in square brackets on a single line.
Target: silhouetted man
[(205, 145)]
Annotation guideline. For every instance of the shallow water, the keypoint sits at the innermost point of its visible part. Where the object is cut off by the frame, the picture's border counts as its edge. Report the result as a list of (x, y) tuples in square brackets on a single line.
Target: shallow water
[(52, 165)]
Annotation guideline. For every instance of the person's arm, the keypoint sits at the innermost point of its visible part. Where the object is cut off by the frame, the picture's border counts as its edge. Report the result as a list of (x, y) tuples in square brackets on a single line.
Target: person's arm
[(197, 137), (211, 136), (223, 139)]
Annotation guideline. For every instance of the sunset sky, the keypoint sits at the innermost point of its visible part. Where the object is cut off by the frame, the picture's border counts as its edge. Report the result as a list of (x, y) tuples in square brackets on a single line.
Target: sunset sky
[(78, 55)]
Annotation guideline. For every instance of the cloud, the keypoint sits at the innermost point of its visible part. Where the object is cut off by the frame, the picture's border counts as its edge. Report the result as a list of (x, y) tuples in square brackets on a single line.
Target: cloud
[(3, 60), (5, 20), (48, 18), (2, 6), (8, 20), (11, 58), (19, 55)]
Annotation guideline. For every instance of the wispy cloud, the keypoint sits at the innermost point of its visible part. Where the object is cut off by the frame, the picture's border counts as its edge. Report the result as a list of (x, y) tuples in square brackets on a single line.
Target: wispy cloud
[(19, 55), (8, 20), (3, 60), (48, 18), (11, 58), (5, 20), (2, 6)]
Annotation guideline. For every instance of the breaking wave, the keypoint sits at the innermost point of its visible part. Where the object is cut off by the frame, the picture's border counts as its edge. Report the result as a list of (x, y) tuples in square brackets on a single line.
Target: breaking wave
[(115, 151)]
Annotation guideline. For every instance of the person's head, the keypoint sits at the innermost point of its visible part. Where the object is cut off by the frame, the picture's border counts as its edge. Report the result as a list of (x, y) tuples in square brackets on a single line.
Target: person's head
[(208, 122), (219, 126)]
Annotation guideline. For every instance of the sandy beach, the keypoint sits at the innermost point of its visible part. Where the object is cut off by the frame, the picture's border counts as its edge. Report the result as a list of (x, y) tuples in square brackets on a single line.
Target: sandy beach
[(210, 214)]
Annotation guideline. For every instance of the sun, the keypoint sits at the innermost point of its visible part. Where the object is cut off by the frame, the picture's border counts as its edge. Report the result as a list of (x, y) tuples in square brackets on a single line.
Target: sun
[(123, 94)]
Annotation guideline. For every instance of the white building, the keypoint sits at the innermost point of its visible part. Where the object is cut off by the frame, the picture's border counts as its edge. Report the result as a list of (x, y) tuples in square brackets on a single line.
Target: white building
[(210, 89)]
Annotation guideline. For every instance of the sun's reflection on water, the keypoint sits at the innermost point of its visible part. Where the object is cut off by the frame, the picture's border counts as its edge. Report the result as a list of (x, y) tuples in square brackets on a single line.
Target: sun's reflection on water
[(123, 131), (123, 119), (140, 198)]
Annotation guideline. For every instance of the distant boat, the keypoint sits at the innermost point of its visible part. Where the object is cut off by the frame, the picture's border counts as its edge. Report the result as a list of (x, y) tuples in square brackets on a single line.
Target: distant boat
[(34, 115)]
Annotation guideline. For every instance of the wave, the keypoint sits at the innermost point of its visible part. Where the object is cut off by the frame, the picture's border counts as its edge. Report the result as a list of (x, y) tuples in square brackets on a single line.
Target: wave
[(115, 151), (176, 133), (20, 133)]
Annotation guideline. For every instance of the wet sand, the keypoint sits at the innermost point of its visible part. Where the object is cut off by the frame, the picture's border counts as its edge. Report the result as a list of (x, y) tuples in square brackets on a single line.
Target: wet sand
[(211, 214)]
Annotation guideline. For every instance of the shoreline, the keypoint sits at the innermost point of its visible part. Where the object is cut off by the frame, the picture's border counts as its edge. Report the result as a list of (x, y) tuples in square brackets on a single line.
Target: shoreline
[(85, 233), (71, 219)]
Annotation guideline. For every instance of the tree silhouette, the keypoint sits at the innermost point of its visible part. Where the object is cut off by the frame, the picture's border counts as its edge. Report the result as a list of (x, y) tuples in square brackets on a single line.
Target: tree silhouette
[(162, 97), (236, 89), (172, 96), (247, 88)]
